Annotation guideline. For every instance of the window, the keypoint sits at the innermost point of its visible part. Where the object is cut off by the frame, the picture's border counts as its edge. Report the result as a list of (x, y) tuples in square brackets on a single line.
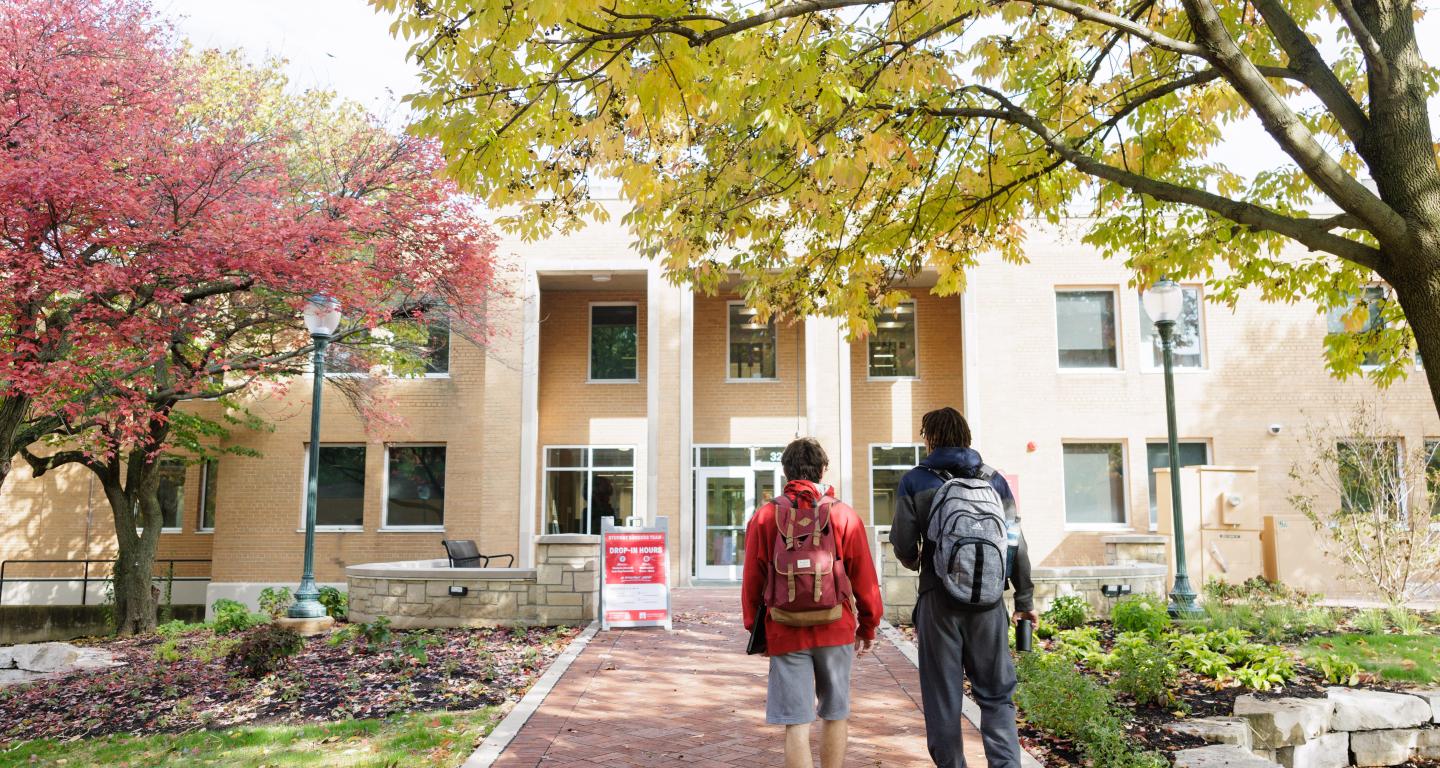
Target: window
[(437, 345), (1351, 320), (1432, 475), (1189, 349), (892, 346), (415, 486), (752, 344), (585, 484), (172, 493), (209, 476), (1158, 457), (340, 499), (889, 463), (614, 339), (1094, 484), (1370, 474), (1085, 327), (345, 360)]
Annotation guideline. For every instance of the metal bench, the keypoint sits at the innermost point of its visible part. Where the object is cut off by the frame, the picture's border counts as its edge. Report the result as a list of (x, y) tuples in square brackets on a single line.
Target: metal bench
[(464, 554)]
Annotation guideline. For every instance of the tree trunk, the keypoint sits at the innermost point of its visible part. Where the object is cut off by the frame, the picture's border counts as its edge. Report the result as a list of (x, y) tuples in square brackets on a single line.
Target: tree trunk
[(134, 505), (1419, 295), (13, 408)]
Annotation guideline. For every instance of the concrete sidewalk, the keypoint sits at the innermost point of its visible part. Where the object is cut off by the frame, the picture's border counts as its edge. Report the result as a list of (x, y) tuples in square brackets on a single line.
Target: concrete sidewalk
[(645, 697)]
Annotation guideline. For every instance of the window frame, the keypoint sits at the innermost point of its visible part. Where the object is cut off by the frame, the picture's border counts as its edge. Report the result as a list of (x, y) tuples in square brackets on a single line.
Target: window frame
[(589, 471), (915, 326), (1147, 356), (179, 513), (1384, 290), (774, 341), (1119, 331), (206, 490), (449, 347), (305, 488), (1209, 444), (590, 343), (870, 460), (1398, 443), (385, 525), (1125, 523)]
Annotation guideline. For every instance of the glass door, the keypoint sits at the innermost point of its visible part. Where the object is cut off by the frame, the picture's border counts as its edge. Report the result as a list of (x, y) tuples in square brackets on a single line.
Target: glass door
[(725, 499)]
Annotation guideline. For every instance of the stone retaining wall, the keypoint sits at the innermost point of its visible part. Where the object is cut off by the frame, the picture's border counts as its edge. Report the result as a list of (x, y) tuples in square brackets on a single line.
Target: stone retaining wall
[(563, 588), (1089, 581), (899, 585)]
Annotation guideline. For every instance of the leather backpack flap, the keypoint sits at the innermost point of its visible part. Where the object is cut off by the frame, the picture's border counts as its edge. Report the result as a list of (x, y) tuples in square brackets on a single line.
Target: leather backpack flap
[(813, 618)]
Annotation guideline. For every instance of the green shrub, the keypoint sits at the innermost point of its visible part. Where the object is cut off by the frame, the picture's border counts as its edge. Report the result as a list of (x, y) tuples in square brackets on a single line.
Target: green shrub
[(232, 616), (1059, 699), (1194, 653), (1371, 622), (336, 603), (1404, 621), (213, 648), (1143, 669), (1081, 646), (1336, 670), (1044, 630), (263, 649), (168, 652), (416, 645), (375, 632), (1261, 667), (177, 628), (1141, 613), (1067, 612), (275, 601)]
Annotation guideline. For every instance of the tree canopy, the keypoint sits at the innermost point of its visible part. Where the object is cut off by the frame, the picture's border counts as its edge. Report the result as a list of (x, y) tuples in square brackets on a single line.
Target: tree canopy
[(829, 149)]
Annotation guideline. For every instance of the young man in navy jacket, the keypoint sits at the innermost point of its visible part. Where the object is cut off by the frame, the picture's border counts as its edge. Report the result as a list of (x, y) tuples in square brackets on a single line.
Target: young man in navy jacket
[(956, 641)]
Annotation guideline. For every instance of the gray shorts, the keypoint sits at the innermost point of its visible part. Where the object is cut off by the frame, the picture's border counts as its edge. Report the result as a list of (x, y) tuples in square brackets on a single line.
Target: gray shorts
[(798, 679)]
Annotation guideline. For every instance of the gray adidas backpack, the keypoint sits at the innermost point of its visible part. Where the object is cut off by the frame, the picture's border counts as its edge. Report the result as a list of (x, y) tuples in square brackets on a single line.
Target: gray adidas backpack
[(967, 524)]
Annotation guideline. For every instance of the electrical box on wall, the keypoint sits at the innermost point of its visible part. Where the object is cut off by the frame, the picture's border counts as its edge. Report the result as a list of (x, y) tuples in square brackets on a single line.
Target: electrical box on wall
[(1223, 521)]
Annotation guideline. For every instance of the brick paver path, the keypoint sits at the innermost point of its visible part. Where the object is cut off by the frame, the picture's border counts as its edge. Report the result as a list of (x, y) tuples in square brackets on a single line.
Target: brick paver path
[(691, 697)]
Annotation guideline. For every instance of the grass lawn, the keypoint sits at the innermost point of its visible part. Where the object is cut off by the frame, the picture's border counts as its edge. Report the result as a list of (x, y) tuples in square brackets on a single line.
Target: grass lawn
[(1395, 658), (421, 739)]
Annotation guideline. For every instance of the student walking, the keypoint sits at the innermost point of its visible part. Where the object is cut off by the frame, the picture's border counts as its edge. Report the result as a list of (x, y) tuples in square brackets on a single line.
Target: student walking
[(809, 578), (955, 509)]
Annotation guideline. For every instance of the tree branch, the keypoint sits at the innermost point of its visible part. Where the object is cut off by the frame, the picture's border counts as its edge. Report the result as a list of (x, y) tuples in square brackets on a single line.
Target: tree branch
[(1374, 57), (1306, 60), (1121, 23)]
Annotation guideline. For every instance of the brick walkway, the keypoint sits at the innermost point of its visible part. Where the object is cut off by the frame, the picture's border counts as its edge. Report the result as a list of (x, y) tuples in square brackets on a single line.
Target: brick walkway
[(644, 697)]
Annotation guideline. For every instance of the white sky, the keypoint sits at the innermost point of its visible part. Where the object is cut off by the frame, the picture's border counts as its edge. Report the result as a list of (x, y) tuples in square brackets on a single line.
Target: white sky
[(345, 46)]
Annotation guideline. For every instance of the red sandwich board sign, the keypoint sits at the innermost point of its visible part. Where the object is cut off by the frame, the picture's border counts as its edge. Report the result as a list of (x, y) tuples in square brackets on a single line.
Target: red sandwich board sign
[(634, 576)]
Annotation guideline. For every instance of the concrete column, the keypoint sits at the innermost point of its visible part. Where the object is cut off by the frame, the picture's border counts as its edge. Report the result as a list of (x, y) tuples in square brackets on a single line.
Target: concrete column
[(686, 523), (529, 415), (827, 396)]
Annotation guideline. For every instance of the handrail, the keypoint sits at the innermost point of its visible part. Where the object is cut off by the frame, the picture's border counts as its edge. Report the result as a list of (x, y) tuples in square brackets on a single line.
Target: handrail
[(85, 574)]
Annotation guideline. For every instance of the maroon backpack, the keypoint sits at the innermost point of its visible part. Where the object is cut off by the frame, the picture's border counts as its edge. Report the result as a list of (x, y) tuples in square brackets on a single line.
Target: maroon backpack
[(809, 586)]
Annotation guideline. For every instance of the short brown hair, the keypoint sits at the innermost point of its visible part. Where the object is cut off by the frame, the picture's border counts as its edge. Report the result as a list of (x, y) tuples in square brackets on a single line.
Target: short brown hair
[(945, 428), (804, 459)]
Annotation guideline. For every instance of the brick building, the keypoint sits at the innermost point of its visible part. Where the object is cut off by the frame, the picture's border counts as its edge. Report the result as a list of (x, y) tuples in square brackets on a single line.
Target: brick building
[(601, 388)]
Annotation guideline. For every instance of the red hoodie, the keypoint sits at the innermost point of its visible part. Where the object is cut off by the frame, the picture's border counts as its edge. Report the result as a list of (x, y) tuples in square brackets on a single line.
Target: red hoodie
[(853, 549)]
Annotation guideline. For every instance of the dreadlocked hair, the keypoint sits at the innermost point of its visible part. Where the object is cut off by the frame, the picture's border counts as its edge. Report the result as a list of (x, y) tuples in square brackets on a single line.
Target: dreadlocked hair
[(945, 428)]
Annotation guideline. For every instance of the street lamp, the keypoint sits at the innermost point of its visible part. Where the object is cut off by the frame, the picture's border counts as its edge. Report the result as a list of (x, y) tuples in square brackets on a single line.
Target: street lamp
[(1165, 301), (322, 317)]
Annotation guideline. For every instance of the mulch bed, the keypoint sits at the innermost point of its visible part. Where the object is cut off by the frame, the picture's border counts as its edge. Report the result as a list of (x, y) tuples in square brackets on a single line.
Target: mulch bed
[(463, 669)]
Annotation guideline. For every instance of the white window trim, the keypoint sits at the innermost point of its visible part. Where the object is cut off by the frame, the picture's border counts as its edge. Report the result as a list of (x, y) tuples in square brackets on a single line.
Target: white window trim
[(385, 525), (870, 461), (751, 447), (589, 471), (1146, 354), (590, 342), (305, 489), (1400, 447), (204, 495), (1364, 368), (915, 324), (1209, 444), (1126, 523), (1116, 308), (774, 341)]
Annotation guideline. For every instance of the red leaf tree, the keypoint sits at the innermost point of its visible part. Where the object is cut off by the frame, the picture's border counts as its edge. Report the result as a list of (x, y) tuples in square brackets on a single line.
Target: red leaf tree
[(162, 219)]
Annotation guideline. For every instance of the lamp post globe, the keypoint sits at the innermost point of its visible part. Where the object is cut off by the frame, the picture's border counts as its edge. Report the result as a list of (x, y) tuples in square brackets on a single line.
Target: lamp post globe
[(1165, 301), (322, 317)]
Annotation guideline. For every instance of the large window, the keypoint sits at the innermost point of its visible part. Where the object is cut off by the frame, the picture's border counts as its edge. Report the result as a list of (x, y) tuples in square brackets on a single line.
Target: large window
[(889, 463), (1432, 475), (1370, 474), (614, 341), (1157, 456), (892, 347), (1094, 484), (1364, 314), (172, 493), (415, 486), (1189, 334), (209, 476), (752, 344), (437, 345), (1085, 328), (584, 484), (340, 499)]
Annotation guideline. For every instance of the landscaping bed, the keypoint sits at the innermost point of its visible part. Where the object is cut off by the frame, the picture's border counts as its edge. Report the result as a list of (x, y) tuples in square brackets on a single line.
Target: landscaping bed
[(204, 676)]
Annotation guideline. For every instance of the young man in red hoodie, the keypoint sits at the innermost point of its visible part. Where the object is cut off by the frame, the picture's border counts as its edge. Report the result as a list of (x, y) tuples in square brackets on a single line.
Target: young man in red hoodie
[(807, 662)]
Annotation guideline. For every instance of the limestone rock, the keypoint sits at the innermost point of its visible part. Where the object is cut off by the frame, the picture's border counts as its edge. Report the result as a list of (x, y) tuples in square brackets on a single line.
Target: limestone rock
[(1329, 751), (1221, 756), (1215, 730), (1361, 710), (1372, 748), (1427, 744), (45, 657), (1284, 722), (6, 660), (1432, 697)]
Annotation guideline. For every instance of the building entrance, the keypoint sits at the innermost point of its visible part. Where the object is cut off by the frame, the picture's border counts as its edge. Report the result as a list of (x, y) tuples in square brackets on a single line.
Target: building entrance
[(730, 482)]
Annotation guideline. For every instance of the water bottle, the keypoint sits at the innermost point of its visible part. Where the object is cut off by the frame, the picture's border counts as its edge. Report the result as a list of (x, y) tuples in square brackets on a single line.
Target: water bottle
[(1024, 636), (1012, 537)]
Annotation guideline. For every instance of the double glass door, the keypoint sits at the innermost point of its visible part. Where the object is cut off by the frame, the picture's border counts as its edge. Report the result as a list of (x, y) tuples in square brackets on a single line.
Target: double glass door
[(725, 499)]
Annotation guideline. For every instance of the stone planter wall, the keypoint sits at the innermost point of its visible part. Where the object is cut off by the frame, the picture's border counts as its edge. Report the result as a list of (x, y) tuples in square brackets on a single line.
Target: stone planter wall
[(1089, 582), (563, 588), (1350, 727), (899, 586), (1135, 549)]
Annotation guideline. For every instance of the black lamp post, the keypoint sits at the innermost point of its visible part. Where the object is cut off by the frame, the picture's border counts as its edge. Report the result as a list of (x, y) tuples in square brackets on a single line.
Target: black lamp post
[(322, 317), (1165, 301)]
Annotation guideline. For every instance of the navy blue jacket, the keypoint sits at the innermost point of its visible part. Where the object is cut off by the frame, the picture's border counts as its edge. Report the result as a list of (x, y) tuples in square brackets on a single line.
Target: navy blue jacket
[(912, 519)]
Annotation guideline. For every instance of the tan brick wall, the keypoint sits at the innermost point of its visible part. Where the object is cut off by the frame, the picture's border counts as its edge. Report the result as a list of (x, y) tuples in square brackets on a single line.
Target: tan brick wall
[(745, 412)]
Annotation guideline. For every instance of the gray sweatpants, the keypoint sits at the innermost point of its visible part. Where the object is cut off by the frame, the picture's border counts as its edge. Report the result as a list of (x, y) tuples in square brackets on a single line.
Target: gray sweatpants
[(955, 644)]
